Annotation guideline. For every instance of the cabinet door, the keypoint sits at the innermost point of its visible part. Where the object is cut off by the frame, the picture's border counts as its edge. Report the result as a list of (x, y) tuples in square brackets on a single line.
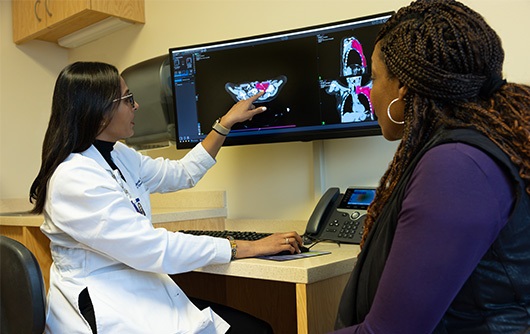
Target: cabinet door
[(49, 20), (58, 10), (29, 17)]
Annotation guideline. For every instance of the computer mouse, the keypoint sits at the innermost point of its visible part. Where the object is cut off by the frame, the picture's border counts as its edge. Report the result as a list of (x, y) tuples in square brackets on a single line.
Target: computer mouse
[(303, 249)]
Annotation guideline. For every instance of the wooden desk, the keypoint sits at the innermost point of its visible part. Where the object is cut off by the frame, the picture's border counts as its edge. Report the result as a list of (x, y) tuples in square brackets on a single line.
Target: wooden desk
[(297, 296)]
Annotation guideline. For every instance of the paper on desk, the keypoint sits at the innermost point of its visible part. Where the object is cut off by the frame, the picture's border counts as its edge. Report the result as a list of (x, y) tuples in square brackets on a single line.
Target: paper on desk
[(293, 256)]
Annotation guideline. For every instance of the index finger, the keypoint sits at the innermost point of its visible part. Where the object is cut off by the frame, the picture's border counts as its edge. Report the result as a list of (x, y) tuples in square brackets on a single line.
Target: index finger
[(298, 239), (256, 96), (296, 236)]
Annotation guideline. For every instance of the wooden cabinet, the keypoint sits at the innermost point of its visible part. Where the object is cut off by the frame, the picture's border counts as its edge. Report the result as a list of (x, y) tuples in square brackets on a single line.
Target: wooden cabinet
[(49, 20)]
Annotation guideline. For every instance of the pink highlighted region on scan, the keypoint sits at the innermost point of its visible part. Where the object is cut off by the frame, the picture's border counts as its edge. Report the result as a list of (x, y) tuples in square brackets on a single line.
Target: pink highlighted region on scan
[(244, 90)]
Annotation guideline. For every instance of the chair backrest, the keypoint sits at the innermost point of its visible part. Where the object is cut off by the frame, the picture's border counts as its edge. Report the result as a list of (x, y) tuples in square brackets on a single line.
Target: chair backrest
[(22, 292)]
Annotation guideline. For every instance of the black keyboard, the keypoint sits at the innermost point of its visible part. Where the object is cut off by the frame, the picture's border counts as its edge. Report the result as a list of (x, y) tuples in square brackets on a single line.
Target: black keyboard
[(238, 235)]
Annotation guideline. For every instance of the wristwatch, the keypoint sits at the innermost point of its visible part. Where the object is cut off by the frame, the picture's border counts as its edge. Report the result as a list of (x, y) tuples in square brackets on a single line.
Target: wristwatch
[(233, 246), (219, 128)]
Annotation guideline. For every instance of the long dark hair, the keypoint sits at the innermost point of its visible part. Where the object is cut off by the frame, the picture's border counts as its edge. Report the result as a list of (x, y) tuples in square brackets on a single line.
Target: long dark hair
[(81, 108), (451, 61)]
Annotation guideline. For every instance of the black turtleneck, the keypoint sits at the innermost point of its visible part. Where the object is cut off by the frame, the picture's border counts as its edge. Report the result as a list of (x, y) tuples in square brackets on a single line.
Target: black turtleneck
[(105, 147)]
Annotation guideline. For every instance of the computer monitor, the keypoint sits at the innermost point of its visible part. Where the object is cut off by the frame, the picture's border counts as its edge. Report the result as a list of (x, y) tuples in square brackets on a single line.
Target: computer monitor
[(317, 83)]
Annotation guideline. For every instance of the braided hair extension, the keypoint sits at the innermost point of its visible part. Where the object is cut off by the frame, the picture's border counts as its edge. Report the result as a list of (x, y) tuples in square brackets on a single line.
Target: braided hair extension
[(451, 61)]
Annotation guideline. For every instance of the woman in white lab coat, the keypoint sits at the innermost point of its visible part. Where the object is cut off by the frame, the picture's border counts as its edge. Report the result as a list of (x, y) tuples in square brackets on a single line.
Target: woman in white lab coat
[(110, 265)]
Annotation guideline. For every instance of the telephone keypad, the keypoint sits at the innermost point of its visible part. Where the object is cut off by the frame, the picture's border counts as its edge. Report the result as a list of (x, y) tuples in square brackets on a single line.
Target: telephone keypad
[(346, 227)]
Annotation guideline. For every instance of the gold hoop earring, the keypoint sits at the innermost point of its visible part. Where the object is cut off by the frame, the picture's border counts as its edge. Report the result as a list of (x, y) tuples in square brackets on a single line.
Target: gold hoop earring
[(390, 116)]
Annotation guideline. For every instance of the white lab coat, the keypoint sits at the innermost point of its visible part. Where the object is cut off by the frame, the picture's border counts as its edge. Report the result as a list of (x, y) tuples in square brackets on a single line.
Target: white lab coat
[(99, 241)]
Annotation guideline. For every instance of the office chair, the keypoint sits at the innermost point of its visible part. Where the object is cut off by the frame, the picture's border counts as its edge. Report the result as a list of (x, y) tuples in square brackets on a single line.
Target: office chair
[(22, 292)]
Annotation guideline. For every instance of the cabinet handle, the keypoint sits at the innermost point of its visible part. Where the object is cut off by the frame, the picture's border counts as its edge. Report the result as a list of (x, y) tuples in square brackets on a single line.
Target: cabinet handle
[(46, 6), (35, 10)]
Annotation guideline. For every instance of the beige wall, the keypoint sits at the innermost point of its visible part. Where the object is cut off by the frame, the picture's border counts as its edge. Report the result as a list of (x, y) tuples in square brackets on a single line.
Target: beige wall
[(279, 181), (27, 77)]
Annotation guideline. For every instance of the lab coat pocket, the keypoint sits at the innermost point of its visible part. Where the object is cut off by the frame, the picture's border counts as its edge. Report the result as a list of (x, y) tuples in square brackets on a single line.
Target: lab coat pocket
[(191, 319), (145, 199)]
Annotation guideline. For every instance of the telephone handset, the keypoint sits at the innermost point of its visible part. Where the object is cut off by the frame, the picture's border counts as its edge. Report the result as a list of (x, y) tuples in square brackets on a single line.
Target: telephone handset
[(339, 217)]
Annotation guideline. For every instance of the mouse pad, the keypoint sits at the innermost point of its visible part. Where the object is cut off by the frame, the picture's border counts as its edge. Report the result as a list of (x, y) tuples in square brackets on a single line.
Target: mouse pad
[(293, 256)]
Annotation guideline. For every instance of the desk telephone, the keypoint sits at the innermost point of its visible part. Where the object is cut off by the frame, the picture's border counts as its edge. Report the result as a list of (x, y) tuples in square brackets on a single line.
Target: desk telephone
[(339, 217)]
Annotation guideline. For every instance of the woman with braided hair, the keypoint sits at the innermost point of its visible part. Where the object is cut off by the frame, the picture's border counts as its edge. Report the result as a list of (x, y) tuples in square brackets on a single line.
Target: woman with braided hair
[(446, 247)]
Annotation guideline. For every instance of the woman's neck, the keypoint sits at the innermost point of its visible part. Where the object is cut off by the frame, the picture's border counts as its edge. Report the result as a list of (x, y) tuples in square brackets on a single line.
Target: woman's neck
[(104, 148)]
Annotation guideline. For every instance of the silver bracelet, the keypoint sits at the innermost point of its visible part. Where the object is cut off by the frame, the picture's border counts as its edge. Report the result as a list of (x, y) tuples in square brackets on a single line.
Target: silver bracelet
[(219, 128)]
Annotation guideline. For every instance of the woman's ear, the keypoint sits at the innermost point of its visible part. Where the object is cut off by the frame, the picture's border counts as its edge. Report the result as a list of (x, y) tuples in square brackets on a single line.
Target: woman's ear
[(402, 92)]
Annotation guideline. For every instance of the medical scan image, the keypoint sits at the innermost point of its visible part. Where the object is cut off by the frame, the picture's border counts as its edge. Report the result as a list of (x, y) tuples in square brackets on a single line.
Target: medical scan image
[(353, 99), (271, 87)]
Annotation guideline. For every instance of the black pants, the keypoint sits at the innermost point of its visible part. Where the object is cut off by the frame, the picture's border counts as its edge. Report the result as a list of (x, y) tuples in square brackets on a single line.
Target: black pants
[(87, 309), (239, 321)]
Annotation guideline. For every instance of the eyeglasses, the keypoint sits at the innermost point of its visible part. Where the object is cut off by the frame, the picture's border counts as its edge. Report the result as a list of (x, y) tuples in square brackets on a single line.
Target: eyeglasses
[(130, 98)]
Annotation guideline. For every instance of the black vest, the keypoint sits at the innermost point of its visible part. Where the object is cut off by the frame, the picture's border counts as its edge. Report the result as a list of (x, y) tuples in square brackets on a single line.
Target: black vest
[(505, 266)]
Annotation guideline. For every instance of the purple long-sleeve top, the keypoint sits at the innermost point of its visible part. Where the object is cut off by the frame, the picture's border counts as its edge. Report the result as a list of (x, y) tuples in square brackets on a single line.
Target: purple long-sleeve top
[(457, 201)]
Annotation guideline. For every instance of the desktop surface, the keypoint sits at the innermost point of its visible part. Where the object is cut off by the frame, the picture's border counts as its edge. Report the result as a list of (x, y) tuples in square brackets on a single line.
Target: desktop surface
[(308, 270)]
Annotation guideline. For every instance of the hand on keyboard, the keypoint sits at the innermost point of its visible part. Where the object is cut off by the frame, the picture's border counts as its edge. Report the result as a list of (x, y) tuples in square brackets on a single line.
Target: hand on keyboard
[(251, 244)]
